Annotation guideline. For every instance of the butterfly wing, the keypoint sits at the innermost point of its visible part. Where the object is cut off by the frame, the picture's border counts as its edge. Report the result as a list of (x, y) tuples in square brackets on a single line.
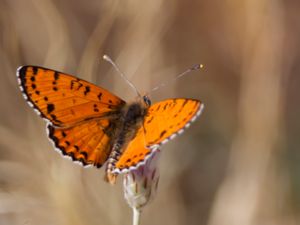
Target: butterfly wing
[(88, 143), (64, 100), (168, 118), (163, 122), (134, 155)]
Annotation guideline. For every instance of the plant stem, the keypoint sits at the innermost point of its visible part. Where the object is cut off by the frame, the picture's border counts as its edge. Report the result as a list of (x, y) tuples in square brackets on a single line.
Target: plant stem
[(136, 216)]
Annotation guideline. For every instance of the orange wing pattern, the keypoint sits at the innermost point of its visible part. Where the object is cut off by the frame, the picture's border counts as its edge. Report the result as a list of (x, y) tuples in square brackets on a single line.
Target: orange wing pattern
[(88, 143), (163, 122), (65, 100), (168, 118), (135, 154), (82, 117)]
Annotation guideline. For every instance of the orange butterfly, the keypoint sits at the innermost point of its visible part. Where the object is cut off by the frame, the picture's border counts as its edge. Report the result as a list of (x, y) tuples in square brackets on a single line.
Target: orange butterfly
[(93, 126)]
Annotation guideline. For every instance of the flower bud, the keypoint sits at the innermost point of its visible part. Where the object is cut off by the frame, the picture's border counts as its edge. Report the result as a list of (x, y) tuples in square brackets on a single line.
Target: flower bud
[(140, 184)]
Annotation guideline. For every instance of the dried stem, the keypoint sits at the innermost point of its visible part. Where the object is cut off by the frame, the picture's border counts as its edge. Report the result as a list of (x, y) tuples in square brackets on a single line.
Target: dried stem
[(136, 216)]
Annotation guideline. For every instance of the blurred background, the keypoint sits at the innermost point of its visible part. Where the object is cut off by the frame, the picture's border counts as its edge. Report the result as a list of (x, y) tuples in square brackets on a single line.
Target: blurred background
[(237, 165)]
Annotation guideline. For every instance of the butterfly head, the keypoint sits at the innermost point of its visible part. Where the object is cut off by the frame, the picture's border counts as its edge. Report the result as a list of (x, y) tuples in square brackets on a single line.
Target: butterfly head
[(146, 100)]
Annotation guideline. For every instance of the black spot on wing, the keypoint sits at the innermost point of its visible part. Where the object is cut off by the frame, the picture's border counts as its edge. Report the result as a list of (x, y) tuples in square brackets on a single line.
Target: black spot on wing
[(99, 96), (56, 75), (158, 107), (84, 154), (63, 134), (72, 84), (51, 134), (96, 108), (50, 108), (128, 160), (150, 120), (184, 103), (162, 133), (72, 155), (87, 90), (34, 70), (165, 106), (82, 161)]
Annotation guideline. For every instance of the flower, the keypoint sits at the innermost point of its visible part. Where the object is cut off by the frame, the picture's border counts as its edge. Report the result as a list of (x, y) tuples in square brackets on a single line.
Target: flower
[(140, 184)]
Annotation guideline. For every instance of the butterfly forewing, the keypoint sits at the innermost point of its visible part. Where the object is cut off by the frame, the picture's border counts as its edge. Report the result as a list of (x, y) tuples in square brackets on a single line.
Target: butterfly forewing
[(168, 118), (65, 100)]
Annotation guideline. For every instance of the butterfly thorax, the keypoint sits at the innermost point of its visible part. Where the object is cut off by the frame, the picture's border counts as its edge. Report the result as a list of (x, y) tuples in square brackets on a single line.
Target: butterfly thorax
[(131, 119)]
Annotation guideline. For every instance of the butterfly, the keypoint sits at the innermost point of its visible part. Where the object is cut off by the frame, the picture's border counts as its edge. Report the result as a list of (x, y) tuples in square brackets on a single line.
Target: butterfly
[(92, 126)]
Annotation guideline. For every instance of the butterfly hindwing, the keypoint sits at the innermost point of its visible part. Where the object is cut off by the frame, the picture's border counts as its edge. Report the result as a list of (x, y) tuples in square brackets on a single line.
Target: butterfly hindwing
[(65, 100), (88, 143), (168, 118), (134, 155)]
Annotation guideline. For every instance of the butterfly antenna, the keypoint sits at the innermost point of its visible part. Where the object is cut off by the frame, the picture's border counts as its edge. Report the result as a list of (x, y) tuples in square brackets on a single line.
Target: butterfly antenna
[(195, 67), (108, 59)]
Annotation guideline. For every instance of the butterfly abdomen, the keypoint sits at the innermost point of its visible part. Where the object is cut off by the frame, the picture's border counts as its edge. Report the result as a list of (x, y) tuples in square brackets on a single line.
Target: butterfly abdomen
[(131, 120)]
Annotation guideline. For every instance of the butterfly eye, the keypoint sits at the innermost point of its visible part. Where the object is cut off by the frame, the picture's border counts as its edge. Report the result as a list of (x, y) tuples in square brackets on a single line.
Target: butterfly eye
[(147, 100)]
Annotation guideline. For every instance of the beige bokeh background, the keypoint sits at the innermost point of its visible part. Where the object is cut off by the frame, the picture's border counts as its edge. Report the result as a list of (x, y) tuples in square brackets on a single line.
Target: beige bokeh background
[(237, 165)]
